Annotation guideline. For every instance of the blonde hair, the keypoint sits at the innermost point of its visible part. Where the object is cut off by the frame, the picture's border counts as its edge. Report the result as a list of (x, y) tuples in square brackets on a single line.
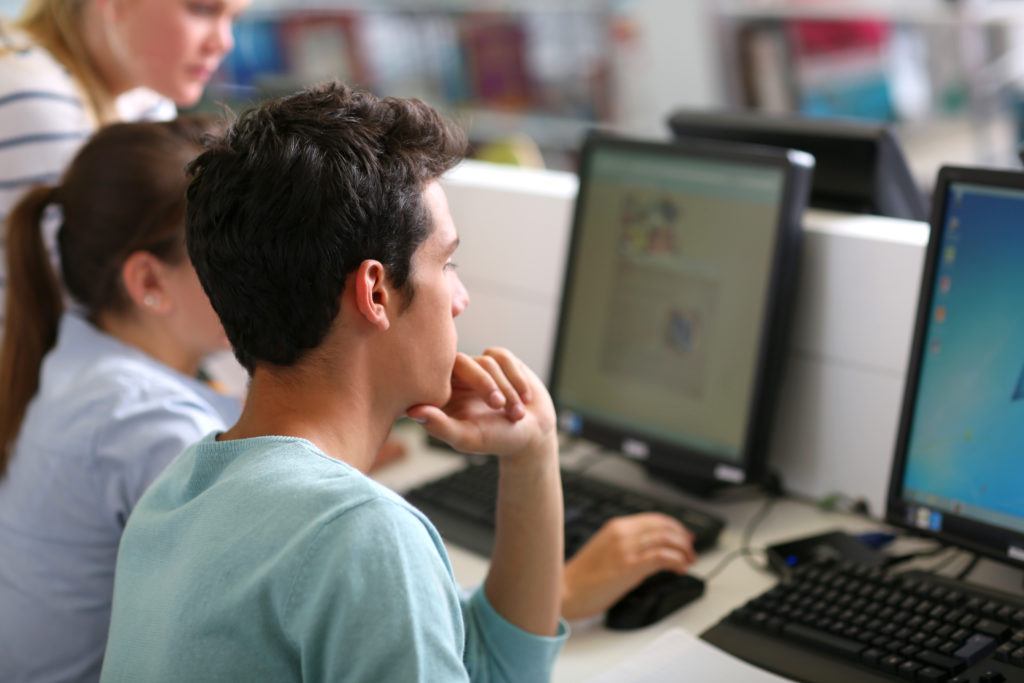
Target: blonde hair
[(56, 25)]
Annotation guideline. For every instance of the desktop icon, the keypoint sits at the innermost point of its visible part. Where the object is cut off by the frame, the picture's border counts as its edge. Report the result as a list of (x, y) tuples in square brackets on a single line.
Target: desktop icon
[(945, 282), (954, 223), (924, 518), (936, 346), (940, 314), (949, 254)]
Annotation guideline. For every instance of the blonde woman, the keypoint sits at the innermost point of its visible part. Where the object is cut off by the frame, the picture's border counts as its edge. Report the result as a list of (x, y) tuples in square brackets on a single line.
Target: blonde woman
[(68, 66)]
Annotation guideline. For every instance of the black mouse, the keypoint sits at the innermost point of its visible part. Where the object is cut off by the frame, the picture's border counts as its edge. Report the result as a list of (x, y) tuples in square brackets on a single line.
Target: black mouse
[(657, 596)]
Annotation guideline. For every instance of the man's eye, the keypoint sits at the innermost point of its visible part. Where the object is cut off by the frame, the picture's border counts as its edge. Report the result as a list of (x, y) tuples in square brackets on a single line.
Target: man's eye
[(204, 8)]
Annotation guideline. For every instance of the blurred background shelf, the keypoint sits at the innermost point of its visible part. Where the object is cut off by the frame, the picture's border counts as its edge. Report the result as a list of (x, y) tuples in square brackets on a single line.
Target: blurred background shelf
[(948, 74)]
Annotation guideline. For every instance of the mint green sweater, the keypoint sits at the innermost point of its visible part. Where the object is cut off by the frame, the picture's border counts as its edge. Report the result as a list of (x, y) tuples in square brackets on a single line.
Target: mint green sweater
[(266, 560)]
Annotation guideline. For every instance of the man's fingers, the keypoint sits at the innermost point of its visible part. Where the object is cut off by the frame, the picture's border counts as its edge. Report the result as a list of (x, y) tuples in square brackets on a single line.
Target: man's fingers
[(469, 374), (513, 402), (514, 369), (486, 375), (437, 423)]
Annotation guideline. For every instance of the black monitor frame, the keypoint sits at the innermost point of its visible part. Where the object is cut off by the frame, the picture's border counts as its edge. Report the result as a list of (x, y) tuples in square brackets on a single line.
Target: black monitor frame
[(1002, 544), (695, 471), (859, 165)]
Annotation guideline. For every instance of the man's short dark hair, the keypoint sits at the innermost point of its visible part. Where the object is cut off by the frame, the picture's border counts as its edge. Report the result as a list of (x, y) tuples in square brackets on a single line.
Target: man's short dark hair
[(300, 191)]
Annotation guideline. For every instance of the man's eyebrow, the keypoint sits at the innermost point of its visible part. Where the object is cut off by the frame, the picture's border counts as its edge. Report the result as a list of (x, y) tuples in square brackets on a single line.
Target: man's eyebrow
[(453, 245)]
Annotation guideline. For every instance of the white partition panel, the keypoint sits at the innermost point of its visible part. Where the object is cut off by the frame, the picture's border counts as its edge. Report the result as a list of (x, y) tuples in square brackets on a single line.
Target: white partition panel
[(850, 341)]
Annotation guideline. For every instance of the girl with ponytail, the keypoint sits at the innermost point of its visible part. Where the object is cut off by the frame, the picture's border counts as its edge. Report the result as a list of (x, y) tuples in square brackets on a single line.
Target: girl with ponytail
[(100, 392)]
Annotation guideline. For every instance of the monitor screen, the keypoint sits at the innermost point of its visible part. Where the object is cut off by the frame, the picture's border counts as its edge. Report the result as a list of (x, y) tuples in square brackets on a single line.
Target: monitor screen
[(859, 167), (678, 284), (958, 468)]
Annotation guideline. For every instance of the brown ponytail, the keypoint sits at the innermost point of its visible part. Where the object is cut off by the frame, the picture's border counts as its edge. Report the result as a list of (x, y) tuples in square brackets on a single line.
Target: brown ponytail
[(124, 192), (33, 309)]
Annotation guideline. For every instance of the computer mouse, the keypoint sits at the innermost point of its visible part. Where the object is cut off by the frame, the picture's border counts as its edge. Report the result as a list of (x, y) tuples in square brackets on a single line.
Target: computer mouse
[(656, 597)]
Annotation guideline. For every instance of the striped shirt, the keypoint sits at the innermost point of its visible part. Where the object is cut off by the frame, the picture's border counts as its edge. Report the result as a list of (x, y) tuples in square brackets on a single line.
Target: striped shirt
[(43, 121)]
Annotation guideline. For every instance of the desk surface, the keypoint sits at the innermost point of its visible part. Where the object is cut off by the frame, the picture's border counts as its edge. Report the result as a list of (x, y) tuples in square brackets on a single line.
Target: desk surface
[(592, 649)]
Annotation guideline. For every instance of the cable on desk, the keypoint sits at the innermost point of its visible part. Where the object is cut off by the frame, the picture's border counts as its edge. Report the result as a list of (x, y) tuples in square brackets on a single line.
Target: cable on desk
[(745, 550), (946, 561), (900, 559), (727, 560), (752, 525), (962, 574)]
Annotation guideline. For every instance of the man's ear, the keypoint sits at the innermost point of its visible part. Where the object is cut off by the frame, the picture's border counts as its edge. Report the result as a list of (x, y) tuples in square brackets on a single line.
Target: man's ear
[(142, 274), (374, 297)]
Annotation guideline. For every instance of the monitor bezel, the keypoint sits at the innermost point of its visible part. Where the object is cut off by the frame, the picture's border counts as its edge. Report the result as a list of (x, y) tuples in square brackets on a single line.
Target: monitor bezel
[(976, 536), (691, 468), (893, 193)]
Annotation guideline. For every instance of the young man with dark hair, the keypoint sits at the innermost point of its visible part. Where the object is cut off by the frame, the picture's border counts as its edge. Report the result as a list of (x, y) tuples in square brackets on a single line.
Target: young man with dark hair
[(324, 241)]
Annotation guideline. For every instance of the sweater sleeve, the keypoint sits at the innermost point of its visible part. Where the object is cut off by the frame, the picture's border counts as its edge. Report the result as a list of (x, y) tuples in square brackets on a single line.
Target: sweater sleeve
[(499, 651)]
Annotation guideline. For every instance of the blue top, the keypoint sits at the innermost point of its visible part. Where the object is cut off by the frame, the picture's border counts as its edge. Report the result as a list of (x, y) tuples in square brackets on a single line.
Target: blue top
[(104, 423), (266, 560)]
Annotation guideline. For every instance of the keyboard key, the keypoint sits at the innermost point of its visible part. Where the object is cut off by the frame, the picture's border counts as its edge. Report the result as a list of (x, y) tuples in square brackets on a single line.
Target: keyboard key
[(873, 656), (941, 661), (992, 677), (892, 663), (1003, 651), (977, 647), (846, 647), (931, 674), (996, 629), (909, 669)]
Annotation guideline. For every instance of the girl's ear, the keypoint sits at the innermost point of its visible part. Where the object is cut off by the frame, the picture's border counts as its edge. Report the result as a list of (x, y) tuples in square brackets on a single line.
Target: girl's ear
[(143, 277), (373, 294)]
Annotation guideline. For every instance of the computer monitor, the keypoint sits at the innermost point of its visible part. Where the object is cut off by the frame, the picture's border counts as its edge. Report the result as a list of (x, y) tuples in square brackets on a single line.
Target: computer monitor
[(678, 288), (859, 166), (958, 468)]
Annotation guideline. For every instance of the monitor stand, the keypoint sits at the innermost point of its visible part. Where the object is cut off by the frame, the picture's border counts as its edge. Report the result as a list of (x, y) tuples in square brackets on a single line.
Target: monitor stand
[(695, 485), (708, 487)]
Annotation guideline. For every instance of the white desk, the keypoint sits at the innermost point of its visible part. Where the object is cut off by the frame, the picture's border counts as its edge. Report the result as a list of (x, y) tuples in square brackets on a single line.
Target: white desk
[(592, 649)]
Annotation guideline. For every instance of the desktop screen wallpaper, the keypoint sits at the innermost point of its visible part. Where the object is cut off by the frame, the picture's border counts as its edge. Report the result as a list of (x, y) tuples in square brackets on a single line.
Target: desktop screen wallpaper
[(966, 447), (672, 259)]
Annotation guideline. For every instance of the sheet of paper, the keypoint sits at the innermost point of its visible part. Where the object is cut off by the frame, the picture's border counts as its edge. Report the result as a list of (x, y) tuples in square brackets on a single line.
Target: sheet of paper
[(679, 655)]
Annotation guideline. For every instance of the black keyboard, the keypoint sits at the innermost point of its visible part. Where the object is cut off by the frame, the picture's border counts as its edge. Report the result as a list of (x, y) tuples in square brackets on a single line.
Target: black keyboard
[(844, 622), (461, 506)]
